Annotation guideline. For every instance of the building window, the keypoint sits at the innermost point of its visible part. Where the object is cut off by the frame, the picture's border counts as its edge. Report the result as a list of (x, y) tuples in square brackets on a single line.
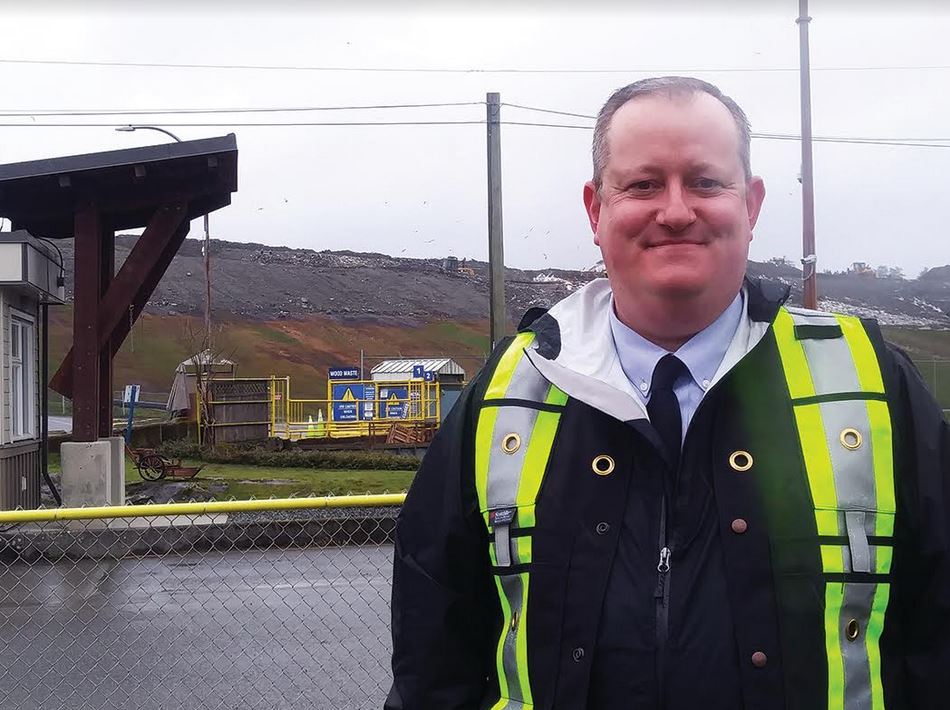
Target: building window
[(22, 378)]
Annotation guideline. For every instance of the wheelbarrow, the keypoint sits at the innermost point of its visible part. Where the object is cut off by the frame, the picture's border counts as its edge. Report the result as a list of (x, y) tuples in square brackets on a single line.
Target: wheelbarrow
[(152, 466)]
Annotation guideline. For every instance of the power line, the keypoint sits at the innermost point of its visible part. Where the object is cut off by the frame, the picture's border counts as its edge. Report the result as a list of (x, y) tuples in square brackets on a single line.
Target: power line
[(464, 70), (549, 110), (260, 124), (910, 143), (188, 111)]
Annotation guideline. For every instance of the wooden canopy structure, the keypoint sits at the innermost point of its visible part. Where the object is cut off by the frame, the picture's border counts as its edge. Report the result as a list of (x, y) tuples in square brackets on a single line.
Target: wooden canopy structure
[(90, 197)]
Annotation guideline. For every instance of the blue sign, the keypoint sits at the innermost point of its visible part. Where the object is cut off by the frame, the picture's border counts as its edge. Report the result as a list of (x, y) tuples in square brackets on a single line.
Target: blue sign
[(418, 372), (346, 402), (393, 402), (429, 376), (368, 409), (344, 373)]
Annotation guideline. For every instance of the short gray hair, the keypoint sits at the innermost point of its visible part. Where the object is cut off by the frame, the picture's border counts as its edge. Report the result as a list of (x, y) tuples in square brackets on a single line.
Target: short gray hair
[(671, 86)]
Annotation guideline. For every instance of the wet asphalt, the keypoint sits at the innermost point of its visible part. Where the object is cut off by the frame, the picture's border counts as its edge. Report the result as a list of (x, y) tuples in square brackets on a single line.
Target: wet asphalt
[(294, 628)]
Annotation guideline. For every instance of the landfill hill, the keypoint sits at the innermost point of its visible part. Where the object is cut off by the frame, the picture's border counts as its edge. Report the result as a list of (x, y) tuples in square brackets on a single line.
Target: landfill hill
[(296, 312)]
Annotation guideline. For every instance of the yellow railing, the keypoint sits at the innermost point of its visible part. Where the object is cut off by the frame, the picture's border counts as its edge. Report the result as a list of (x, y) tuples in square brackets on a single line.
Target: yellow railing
[(365, 408), (207, 508)]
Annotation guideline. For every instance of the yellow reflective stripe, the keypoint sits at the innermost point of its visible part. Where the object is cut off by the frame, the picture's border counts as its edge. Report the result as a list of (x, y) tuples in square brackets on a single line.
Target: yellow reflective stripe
[(834, 598), (828, 522), (882, 451), (523, 548), (500, 653), (501, 378), (821, 479), (862, 352), (792, 354), (535, 463), (883, 557), (521, 644), (872, 639), (556, 396), (832, 558), (484, 432)]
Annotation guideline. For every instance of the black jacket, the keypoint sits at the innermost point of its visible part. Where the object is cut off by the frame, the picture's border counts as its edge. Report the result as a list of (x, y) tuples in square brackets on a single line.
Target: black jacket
[(594, 645)]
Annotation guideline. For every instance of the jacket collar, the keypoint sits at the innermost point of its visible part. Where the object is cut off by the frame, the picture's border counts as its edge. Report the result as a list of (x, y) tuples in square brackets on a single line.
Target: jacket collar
[(574, 347)]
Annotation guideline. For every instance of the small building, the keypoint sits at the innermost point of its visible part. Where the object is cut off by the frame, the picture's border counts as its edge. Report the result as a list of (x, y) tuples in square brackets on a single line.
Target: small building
[(31, 279), (445, 371), (181, 396)]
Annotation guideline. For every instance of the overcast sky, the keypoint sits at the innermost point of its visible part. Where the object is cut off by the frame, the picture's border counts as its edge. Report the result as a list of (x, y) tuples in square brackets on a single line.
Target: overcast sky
[(421, 190)]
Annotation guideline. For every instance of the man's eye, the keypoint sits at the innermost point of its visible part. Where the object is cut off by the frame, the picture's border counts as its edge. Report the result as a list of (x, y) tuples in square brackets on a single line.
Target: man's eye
[(707, 184), (642, 186)]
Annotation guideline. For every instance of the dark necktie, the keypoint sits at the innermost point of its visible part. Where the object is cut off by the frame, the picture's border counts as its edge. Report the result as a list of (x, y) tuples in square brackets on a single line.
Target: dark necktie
[(664, 408)]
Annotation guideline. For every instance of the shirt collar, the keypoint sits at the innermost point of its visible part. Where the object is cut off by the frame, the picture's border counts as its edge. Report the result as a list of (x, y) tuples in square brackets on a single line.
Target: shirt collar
[(702, 354)]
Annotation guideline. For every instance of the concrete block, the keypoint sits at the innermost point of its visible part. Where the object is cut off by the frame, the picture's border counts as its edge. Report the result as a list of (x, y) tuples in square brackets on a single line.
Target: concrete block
[(116, 491), (88, 475)]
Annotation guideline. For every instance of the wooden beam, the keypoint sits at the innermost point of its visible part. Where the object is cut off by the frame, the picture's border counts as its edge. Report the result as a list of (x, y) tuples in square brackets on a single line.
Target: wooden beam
[(85, 361), (148, 285), (133, 285), (106, 275)]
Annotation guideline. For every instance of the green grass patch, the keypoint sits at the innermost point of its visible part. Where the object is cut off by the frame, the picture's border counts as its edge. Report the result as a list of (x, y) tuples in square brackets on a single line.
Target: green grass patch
[(245, 482)]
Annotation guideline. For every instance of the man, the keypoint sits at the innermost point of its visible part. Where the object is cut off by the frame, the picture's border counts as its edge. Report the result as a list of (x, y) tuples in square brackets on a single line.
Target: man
[(671, 490)]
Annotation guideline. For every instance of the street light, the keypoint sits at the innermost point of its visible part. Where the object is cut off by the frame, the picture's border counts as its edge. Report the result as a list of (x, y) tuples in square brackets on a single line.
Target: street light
[(207, 250)]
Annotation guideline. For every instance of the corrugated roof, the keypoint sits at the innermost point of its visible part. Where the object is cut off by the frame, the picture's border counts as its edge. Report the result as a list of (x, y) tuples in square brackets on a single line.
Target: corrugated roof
[(442, 366)]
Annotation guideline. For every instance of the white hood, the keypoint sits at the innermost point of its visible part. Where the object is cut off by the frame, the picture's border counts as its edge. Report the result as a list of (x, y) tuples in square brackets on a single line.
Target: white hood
[(587, 366)]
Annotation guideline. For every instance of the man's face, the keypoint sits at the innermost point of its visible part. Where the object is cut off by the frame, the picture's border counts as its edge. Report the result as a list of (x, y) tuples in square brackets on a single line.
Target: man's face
[(675, 213)]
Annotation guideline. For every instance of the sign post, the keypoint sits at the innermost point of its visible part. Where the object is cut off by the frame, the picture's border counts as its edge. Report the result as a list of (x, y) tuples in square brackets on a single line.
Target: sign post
[(130, 398)]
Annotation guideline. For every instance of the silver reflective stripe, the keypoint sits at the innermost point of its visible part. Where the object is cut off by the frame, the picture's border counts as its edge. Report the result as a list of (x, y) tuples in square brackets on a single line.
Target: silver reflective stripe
[(527, 383), (511, 584), (853, 473), (831, 365), (858, 541), (858, 601), (504, 470), (503, 545)]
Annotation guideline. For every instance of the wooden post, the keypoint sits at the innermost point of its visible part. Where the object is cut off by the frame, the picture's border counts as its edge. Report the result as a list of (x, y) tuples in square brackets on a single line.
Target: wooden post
[(88, 280), (106, 274), (496, 247)]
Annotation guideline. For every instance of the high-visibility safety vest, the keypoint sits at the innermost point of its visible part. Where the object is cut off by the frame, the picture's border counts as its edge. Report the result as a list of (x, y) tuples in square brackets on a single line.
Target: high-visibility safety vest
[(844, 429)]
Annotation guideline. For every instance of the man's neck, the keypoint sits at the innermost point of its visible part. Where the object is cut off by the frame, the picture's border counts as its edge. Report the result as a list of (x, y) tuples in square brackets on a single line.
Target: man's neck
[(671, 325)]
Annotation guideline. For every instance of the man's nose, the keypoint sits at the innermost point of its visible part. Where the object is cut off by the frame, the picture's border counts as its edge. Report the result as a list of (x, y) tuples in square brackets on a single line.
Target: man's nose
[(675, 212)]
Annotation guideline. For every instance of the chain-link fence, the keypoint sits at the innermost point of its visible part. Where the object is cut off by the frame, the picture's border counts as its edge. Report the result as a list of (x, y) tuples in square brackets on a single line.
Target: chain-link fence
[(936, 373), (242, 604)]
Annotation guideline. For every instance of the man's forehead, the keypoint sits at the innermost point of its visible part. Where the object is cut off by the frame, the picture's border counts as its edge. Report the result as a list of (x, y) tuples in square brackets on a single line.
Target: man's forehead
[(697, 128)]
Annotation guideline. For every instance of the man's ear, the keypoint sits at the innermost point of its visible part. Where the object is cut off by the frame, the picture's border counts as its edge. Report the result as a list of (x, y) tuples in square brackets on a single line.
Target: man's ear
[(754, 196), (592, 205)]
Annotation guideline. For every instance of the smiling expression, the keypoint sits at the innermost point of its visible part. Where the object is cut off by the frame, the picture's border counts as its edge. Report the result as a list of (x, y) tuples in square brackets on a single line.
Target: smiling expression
[(674, 213)]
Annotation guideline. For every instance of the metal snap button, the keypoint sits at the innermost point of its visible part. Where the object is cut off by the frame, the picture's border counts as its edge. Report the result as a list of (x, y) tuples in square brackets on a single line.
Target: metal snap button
[(759, 659), (603, 465), (511, 443), (602, 528), (739, 526), (577, 654), (853, 630), (850, 438), (740, 461)]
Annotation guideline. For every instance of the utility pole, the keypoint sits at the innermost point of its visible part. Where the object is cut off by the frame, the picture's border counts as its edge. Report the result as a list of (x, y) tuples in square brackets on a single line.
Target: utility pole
[(496, 247), (207, 245), (207, 251), (809, 258)]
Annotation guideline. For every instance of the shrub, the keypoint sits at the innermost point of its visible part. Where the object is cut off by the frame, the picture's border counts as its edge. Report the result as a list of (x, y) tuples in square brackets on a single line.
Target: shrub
[(256, 456)]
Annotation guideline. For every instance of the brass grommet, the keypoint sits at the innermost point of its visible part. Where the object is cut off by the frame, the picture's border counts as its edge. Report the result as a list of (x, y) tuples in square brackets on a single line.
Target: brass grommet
[(511, 443), (853, 629), (603, 465), (850, 438), (740, 461)]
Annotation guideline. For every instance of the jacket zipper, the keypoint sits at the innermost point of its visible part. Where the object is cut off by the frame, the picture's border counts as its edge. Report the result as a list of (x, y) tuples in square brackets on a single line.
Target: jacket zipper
[(662, 596)]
